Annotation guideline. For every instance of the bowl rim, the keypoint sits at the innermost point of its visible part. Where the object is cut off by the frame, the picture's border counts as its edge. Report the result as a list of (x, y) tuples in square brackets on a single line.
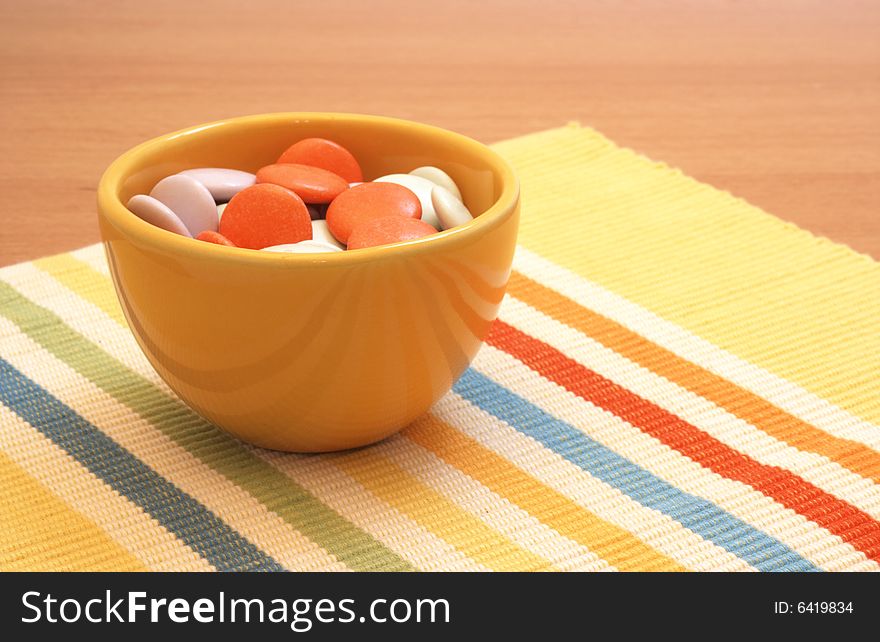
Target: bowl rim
[(132, 227)]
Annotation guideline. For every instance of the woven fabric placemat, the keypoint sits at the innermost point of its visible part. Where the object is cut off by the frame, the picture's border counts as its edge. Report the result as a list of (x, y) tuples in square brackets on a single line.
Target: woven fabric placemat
[(677, 381)]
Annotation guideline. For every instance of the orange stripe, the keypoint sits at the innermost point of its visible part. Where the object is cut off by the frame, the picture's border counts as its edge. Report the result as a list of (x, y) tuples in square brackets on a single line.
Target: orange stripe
[(736, 400), (851, 524), (614, 544)]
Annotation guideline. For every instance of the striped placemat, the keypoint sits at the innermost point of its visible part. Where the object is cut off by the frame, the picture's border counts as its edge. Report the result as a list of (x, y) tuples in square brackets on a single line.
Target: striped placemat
[(678, 381)]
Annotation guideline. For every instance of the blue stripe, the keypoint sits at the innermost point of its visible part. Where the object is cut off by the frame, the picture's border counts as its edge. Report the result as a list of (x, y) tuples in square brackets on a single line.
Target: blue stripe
[(699, 515), (177, 511)]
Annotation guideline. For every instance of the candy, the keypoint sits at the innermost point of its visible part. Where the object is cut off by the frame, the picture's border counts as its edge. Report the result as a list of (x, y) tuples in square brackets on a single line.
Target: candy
[(368, 201), (312, 200), (303, 247), (387, 229), (264, 215), (323, 153), (438, 177), (450, 210), (222, 183), (157, 213), (190, 200), (422, 188), (311, 184), (321, 232), (215, 237)]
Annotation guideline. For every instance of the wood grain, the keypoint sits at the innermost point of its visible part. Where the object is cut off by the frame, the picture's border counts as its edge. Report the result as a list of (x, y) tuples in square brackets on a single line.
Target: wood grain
[(776, 102)]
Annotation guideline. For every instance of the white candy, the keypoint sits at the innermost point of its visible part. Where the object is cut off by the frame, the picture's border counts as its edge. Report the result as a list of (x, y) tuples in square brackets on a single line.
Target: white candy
[(422, 188), (222, 183), (438, 177), (156, 213), (354, 184), (450, 211), (322, 234), (190, 200), (220, 209), (303, 247)]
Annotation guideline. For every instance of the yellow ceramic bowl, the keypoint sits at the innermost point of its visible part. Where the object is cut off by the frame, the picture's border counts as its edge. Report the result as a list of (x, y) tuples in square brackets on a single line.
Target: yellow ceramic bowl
[(311, 352)]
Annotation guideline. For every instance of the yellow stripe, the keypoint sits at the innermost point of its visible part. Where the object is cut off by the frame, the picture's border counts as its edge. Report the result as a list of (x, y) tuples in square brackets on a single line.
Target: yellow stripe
[(615, 545), (396, 487), (510, 520), (81, 278), (39, 532), (799, 306)]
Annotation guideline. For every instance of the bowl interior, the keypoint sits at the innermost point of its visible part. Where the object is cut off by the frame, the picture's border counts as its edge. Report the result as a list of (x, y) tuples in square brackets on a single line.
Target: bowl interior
[(381, 145)]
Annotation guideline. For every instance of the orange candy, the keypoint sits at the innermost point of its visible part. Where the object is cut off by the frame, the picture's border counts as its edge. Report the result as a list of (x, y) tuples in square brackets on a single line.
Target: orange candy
[(264, 215), (312, 184), (215, 237), (323, 153), (387, 229), (370, 201)]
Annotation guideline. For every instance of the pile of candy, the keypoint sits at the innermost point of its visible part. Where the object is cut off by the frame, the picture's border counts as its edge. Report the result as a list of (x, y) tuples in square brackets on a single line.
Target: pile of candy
[(313, 199)]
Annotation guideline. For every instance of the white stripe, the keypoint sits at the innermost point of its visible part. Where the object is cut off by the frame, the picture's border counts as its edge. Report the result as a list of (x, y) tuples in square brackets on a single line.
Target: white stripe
[(492, 509), (782, 393), (93, 256), (123, 521), (227, 500), (657, 530), (810, 540), (740, 435), (349, 498)]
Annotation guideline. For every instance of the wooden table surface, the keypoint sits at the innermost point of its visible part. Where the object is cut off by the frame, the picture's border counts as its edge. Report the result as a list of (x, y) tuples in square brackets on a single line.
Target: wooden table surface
[(777, 102)]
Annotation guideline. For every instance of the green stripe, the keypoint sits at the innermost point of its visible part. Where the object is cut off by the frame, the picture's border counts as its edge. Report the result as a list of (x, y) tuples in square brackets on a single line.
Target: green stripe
[(348, 543)]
